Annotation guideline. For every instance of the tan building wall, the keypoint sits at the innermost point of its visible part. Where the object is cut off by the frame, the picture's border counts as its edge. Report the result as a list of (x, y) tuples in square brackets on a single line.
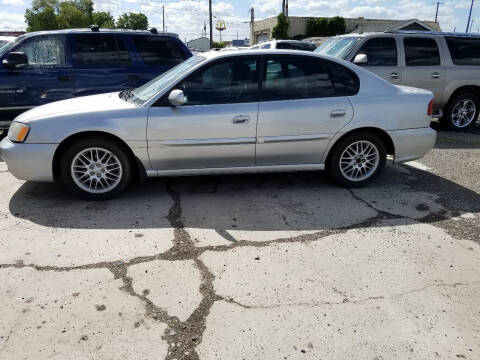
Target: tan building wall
[(262, 30)]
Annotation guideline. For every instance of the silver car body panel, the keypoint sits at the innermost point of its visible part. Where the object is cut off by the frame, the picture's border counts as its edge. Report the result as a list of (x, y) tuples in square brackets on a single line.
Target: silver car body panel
[(207, 139)]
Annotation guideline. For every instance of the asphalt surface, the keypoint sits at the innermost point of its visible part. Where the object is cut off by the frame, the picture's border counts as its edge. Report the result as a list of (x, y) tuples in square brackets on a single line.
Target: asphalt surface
[(275, 266)]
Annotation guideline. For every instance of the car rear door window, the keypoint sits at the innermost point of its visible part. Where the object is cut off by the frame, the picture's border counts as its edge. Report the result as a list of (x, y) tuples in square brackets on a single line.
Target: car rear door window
[(97, 50), (157, 50), (421, 52), (464, 51), (345, 81), (295, 77), (380, 51), (226, 82)]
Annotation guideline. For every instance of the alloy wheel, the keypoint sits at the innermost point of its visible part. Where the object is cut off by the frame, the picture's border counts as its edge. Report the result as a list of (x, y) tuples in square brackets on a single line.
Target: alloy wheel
[(463, 113), (359, 160), (96, 170)]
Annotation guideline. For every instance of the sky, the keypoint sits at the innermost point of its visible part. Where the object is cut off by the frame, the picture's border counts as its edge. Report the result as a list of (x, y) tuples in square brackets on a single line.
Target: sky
[(187, 17)]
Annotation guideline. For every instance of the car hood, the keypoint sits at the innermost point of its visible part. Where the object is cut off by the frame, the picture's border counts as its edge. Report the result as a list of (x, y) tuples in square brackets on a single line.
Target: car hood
[(80, 105)]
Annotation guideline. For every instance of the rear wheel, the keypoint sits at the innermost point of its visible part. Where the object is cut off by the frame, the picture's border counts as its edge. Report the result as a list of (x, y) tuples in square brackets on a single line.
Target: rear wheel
[(462, 112), (96, 169), (357, 160)]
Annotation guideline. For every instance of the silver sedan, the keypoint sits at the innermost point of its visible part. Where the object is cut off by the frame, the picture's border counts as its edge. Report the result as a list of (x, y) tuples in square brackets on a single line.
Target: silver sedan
[(226, 112)]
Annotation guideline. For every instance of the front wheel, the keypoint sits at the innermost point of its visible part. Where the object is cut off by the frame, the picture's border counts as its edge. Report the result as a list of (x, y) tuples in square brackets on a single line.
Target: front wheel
[(357, 160), (96, 169), (462, 112)]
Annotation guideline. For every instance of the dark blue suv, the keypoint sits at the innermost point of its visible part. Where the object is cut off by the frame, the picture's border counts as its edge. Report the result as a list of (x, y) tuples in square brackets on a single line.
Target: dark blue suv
[(41, 67)]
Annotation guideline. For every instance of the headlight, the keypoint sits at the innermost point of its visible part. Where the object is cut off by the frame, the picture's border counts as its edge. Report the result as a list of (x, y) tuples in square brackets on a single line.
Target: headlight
[(18, 132)]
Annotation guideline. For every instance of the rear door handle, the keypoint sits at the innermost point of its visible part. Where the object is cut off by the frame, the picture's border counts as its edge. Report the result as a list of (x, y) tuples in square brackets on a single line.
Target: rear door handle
[(241, 119), (436, 76), (338, 113), (394, 75)]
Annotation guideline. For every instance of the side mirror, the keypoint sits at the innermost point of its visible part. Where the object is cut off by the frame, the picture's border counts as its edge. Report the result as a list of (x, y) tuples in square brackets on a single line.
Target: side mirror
[(177, 98), (15, 60), (361, 59)]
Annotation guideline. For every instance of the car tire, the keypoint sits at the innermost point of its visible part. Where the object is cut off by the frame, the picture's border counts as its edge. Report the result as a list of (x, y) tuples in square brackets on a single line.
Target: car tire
[(357, 160), (96, 168), (456, 120)]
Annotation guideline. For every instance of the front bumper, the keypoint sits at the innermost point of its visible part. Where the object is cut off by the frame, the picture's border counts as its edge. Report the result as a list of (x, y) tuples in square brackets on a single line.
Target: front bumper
[(33, 162), (412, 144)]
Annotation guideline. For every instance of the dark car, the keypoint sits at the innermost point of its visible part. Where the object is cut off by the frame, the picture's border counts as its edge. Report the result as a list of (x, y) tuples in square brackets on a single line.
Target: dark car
[(41, 67)]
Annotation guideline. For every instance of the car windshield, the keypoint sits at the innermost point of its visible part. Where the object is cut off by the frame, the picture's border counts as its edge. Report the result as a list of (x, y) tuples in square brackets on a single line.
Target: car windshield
[(150, 89), (339, 47)]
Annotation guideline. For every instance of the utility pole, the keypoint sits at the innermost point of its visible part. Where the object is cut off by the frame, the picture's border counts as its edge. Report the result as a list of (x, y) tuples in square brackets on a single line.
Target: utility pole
[(469, 17), (283, 7), (252, 26), (286, 8), (211, 25), (163, 11)]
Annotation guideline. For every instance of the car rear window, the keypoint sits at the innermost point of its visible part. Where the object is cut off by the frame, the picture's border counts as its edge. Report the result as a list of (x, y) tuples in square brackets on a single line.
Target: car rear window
[(97, 50), (421, 52), (157, 51), (464, 51)]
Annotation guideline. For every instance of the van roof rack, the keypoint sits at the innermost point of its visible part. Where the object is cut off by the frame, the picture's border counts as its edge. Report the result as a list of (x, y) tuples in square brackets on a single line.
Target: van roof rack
[(428, 32), (94, 28)]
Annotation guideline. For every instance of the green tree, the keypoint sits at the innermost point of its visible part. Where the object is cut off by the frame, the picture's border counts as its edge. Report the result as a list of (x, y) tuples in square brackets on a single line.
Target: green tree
[(104, 19), (71, 16), (42, 15), (134, 21), (325, 27), (280, 31)]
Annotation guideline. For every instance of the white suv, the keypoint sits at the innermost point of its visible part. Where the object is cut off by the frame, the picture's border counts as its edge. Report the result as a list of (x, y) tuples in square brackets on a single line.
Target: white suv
[(448, 64), (286, 45)]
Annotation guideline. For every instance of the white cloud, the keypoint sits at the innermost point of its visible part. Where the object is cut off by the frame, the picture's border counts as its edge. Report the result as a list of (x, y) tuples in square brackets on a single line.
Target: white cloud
[(12, 21), (13, 2)]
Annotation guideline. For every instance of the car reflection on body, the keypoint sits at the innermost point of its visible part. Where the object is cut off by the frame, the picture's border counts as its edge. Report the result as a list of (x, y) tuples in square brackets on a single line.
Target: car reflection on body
[(226, 112)]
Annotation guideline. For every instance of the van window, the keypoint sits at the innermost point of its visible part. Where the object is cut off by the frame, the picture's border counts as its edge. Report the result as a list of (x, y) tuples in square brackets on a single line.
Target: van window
[(44, 51), (464, 51), (295, 77), (96, 50), (156, 50), (380, 51), (421, 52)]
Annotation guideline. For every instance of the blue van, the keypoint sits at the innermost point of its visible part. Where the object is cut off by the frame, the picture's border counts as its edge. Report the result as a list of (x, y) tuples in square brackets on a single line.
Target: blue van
[(41, 67)]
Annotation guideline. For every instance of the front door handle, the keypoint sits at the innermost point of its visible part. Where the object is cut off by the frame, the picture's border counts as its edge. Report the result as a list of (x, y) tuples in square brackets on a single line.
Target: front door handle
[(241, 119), (338, 113), (436, 76), (394, 75)]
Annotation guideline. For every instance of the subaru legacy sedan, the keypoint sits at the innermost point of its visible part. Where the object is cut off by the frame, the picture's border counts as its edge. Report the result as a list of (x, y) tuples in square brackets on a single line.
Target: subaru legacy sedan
[(226, 112)]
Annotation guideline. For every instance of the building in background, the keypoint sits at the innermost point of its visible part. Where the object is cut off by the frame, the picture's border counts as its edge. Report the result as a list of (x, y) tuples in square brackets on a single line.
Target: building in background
[(262, 30), (200, 44)]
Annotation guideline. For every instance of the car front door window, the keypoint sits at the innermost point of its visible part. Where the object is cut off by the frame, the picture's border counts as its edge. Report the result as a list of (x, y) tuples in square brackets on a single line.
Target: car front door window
[(44, 51), (381, 51), (226, 82)]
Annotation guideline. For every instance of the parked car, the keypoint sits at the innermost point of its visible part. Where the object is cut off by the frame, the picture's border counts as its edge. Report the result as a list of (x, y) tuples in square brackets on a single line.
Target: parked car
[(6, 39), (286, 45), (226, 112), (41, 67), (448, 64)]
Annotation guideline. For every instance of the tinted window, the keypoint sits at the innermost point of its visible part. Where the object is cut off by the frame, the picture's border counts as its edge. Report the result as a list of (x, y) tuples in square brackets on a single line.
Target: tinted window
[(381, 51), (44, 51), (295, 78), (284, 45), (266, 46), (156, 50), (464, 51), (226, 82), (101, 50), (421, 52), (344, 80)]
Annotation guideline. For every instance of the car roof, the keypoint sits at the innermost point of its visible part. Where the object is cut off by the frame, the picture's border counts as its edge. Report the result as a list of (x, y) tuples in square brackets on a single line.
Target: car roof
[(219, 54), (100, 31)]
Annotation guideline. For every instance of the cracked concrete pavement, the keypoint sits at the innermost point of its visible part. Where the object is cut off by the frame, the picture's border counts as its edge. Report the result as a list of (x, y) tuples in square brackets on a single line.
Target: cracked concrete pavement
[(273, 266)]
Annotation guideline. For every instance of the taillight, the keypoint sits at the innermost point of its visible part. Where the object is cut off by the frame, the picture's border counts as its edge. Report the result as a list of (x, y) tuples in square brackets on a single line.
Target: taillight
[(430, 108)]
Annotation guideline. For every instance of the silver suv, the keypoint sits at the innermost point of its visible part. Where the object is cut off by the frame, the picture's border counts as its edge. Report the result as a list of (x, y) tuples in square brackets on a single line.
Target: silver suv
[(448, 64)]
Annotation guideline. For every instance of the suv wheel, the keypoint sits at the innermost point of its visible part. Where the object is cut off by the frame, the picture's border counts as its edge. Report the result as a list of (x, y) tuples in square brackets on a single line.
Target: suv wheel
[(357, 160), (462, 112), (96, 169)]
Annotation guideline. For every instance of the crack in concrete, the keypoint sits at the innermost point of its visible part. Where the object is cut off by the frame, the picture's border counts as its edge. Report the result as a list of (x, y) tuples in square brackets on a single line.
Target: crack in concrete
[(347, 300)]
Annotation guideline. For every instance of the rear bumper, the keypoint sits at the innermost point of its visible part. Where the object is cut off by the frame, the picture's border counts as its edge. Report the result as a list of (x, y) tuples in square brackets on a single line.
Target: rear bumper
[(29, 161), (412, 144)]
